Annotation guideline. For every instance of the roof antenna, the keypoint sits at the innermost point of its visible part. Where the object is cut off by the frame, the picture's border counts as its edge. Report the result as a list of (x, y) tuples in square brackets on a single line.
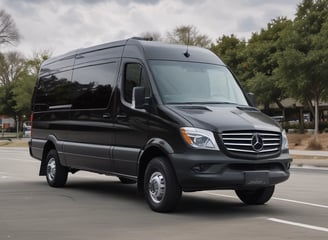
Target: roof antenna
[(187, 54)]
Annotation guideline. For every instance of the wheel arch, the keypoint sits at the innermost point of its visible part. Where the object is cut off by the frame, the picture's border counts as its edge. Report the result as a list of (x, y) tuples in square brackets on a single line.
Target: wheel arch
[(154, 148), (50, 144)]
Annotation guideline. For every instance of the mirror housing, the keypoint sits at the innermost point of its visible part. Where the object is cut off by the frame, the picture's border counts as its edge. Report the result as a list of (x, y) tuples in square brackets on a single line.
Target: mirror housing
[(138, 98), (252, 99)]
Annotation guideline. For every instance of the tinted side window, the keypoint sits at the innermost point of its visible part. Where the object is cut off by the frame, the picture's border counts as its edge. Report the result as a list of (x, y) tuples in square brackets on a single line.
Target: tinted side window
[(53, 90), (134, 77), (92, 86)]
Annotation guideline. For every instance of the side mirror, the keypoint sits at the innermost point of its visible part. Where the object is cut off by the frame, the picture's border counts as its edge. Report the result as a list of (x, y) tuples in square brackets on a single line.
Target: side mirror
[(138, 98), (252, 99)]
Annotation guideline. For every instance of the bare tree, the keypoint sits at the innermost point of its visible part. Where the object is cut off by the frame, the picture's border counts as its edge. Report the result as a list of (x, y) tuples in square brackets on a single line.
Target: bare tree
[(188, 35), (155, 36), (33, 64), (8, 30), (11, 66)]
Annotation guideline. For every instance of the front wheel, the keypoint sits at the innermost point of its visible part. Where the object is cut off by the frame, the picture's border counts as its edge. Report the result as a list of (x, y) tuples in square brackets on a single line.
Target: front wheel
[(56, 173), (255, 197), (161, 187)]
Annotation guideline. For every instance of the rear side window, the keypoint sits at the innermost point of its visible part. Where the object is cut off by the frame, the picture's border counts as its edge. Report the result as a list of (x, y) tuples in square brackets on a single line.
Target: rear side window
[(92, 85), (53, 91)]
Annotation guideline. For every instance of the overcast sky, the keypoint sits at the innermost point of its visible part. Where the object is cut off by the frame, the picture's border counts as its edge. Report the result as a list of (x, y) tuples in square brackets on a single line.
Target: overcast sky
[(64, 25)]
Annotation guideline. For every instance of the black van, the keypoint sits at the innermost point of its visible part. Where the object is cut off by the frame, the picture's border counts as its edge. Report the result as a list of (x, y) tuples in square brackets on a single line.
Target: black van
[(170, 118)]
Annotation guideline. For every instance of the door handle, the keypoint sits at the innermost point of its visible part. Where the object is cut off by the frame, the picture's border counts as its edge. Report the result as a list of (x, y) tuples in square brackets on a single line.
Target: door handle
[(121, 116), (106, 115)]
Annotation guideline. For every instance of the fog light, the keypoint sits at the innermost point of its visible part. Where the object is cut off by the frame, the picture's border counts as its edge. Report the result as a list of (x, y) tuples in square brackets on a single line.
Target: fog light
[(201, 168)]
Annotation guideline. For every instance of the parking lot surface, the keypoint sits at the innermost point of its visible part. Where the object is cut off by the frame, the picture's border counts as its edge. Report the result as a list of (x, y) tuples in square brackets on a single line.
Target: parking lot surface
[(100, 207)]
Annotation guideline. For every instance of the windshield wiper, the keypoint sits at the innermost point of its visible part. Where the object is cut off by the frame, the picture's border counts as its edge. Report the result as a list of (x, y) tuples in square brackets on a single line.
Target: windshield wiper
[(187, 103)]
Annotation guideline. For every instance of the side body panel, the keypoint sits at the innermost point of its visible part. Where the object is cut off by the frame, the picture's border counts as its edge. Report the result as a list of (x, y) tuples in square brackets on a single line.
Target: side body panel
[(79, 117)]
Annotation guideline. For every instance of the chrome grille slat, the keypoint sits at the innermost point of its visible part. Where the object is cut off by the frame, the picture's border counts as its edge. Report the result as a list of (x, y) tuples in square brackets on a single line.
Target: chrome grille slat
[(239, 150), (238, 144), (241, 142), (237, 139), (271, 144)]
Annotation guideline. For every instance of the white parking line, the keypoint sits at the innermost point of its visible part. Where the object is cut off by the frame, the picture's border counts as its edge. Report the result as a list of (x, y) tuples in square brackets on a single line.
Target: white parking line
[(323, 229), (300, 202), (298, 224), (275, 198)]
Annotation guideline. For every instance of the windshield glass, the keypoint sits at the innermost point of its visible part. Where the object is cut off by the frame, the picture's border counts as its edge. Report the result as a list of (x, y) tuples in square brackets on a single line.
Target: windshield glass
[(188, 83)]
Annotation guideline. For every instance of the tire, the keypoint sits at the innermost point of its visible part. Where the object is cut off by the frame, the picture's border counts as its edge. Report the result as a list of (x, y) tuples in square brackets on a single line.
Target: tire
[(161, 188), (56, 174), (255, 197), (126, 180)]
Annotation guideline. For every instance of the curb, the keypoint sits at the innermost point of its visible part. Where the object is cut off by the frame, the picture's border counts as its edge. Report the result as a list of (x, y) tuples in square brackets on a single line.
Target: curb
[(309, 158), (310, 162)]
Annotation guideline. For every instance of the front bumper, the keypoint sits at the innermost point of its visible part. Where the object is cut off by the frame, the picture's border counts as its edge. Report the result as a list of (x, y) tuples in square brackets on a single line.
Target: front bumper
[(209, 170)]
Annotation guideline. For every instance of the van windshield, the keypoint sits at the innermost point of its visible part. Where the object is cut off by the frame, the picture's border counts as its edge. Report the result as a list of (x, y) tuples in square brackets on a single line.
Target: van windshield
[(196, 83)]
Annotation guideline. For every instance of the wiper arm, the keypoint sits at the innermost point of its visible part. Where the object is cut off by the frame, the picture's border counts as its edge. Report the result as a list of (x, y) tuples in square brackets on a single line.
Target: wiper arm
[(201, 103)]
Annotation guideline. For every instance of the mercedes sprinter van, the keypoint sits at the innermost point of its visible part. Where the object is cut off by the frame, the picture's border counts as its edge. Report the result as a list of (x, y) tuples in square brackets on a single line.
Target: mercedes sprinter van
[(170, 118)]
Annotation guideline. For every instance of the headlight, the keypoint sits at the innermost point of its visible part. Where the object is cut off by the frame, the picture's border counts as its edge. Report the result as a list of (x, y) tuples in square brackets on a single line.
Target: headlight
[(199, 138), (284, 145)]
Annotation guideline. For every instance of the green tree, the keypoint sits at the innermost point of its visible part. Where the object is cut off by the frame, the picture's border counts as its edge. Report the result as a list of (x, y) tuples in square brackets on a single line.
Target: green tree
[(188, 35), (17, 80), (22, 93), (262, 64), (11, 69), (231, 50), (24, 85), (304, 63)]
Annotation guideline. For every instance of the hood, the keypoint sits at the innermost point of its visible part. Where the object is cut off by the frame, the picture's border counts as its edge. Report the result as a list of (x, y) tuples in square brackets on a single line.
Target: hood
[(225, 117)]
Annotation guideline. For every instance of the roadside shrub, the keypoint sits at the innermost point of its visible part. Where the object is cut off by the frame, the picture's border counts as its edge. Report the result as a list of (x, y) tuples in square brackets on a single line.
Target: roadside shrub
[(314, 145)]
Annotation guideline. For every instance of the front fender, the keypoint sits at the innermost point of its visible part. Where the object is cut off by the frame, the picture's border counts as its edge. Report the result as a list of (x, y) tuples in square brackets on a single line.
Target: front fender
[(161, 144), (155, 147)]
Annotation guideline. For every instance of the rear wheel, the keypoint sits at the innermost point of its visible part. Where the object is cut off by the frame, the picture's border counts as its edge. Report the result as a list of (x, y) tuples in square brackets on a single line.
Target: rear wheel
[(161, 187), (56, 173), (255, 197)]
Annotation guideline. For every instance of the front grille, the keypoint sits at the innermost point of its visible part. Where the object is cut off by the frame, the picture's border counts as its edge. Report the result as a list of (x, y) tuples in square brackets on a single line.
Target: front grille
[(255, 143), (258, 167)]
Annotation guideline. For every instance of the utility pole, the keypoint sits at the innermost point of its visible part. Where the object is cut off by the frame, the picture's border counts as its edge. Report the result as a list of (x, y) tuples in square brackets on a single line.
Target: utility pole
[(17, 127)]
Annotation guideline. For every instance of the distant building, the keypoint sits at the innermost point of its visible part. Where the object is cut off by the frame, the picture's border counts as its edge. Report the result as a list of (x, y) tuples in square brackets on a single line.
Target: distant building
[(6, 122), (295, 111)]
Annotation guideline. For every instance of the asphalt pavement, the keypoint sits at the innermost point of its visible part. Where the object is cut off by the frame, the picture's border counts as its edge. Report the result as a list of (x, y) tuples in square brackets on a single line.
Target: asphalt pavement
[(94, 206)]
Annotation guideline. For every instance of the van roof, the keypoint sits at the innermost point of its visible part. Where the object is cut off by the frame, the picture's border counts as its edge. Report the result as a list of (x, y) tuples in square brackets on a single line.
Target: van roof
[(147, 50), (165, 51)]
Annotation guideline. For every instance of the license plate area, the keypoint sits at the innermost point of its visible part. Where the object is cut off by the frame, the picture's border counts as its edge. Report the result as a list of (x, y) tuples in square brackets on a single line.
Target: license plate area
[(256, 178)]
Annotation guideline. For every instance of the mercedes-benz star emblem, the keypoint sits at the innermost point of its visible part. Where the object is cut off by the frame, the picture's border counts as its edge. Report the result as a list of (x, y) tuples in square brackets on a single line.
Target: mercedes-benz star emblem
[(257, 142)]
